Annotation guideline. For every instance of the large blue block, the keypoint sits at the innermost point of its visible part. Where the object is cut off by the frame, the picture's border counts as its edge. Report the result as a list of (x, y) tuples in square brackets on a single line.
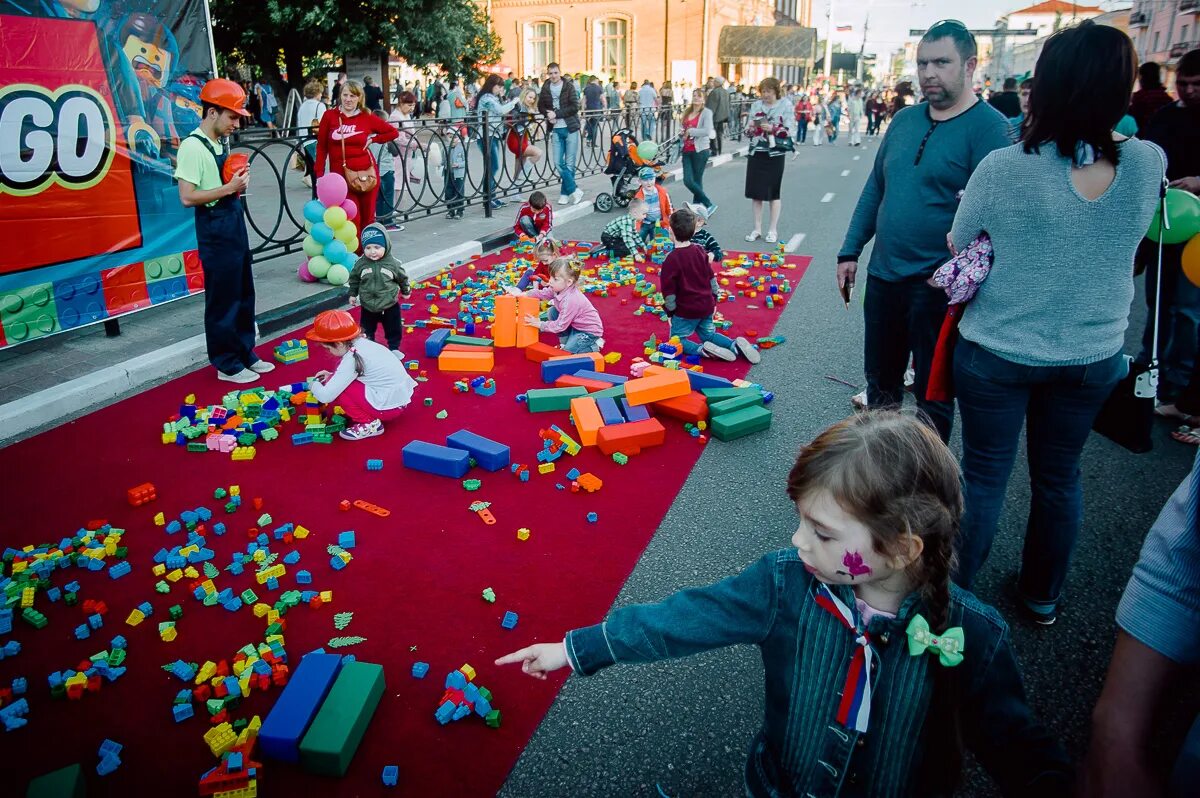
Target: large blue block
[(435, 342), (634, 412), (79, 301), (553, 369), (289, 719), (700, 380), (609, 411), (434, 459), (490, 455), (615, 379), (166, 290)]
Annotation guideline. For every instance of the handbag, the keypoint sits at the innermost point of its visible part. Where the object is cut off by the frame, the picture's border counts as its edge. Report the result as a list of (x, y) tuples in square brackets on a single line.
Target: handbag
[(359, 180), (1127, 417)]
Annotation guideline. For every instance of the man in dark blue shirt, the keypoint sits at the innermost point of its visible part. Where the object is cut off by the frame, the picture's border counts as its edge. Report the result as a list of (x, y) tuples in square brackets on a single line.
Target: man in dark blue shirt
[(593, 104)]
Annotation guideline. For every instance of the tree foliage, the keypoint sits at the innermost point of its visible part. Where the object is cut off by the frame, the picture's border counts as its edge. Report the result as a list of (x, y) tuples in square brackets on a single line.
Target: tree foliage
[(452, 35)]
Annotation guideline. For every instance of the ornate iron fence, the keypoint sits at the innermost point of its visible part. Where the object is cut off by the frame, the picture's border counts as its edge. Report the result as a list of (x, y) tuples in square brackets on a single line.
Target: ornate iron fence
[(444, 166)]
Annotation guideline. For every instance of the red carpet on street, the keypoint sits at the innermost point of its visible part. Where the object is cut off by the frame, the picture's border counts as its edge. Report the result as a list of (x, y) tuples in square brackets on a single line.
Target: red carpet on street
[(414, 584)]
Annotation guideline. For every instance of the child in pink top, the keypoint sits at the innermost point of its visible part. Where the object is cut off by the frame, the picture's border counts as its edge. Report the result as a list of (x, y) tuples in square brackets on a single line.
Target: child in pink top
[(572, 316)]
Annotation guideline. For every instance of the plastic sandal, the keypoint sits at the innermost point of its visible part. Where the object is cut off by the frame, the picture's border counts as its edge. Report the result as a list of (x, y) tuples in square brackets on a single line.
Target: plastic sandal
[(1186, 434), (754, 236), (772, 238)]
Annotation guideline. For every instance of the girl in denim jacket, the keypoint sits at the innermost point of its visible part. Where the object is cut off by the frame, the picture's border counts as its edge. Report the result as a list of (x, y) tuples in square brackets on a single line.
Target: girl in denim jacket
[(879, 671)]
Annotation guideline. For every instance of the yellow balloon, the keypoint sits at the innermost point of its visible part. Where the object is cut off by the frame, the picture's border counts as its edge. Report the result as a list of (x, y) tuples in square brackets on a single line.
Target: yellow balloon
[(1191, 260), (350, 229), (335, 217)]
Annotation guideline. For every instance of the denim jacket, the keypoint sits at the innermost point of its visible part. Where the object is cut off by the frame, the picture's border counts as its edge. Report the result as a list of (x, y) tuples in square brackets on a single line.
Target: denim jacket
[(801, 749)]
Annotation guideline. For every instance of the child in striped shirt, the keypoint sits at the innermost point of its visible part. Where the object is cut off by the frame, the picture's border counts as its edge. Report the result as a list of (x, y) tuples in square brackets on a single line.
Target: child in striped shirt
[(702, 238)]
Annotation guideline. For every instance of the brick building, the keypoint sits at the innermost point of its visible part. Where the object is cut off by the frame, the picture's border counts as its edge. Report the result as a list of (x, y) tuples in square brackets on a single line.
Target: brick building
[(1163, 30)]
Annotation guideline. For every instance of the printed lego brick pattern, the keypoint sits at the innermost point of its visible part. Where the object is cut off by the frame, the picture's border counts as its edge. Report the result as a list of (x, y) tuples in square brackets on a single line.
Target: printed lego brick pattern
[(193, 270), (28, 313), (80, 301), (125, 288), (166, 290), (165, 267)]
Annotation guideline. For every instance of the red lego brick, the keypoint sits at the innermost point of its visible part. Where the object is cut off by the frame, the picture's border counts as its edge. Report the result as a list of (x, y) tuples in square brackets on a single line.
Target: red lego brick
[(125, 288)]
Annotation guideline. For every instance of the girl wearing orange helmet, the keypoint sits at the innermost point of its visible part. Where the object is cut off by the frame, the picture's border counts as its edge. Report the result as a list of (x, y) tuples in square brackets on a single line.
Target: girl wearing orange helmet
[(369, 382)]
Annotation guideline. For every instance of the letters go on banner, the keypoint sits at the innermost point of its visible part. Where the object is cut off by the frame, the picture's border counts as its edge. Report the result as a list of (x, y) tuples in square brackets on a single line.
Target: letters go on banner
[(95, 96)]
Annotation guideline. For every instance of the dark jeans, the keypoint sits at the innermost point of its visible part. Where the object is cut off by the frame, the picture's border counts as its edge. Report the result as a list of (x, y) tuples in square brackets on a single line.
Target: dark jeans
[(801, 130), (693, 175), (715, 145), (615, 245), (903, 318), (1057, 405), (393, 327), (384, 201), (455, 191)]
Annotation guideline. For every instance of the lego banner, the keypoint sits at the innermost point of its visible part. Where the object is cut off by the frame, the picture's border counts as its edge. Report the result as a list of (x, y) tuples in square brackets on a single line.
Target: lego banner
[(95, 96)]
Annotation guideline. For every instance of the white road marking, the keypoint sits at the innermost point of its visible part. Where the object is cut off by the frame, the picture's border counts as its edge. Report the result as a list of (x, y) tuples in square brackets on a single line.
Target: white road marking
[(828, 197), (845, 172), (794, 242)]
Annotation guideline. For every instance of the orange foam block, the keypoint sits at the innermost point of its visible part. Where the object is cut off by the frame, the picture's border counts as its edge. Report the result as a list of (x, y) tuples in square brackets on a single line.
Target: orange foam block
[(537, 352), (691, 407), (481, 360), (586, 417), (631, 437), (504, 322), (527, 334), (597, 359), (573, 381), (657, 387)]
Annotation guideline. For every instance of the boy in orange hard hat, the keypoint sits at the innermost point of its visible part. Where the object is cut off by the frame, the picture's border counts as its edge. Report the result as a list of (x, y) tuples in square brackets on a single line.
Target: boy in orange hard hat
[(206, 184)]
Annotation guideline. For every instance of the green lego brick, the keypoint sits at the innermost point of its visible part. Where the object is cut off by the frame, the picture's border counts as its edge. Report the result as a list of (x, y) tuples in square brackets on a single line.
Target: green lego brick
[(740, 423), (732, 405), (248, 596), (63, 783), (28, 313), (247, 439), (468, 340), (541, 400), (199, 446), (615, 392), (721, 394), (331, 740), (166, 267)]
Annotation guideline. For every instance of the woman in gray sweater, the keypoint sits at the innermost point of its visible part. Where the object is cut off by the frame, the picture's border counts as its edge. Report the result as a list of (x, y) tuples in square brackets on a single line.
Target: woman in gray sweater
[(1041, 343), (697, 131)]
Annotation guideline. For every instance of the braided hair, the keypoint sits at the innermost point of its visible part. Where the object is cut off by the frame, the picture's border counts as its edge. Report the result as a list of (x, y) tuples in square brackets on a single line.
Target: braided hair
[(895, 476)]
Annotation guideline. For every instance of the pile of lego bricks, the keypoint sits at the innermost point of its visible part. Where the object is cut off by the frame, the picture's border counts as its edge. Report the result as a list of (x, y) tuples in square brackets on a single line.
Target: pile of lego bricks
[(559, 546)]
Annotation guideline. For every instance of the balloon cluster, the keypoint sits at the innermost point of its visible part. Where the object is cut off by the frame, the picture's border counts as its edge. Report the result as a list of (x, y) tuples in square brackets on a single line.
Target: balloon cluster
[(1183, 223), (332, 236)]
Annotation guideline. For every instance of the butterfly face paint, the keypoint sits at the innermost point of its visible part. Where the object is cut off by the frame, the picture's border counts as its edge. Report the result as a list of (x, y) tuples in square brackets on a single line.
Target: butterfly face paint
[(854, 564)]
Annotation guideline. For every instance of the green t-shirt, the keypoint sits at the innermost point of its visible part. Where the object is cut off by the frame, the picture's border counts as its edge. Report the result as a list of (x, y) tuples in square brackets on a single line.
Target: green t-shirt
[(195, 162)]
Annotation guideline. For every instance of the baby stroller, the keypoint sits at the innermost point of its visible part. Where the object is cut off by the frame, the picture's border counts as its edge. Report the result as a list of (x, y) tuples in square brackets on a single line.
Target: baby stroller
[(624, 162)]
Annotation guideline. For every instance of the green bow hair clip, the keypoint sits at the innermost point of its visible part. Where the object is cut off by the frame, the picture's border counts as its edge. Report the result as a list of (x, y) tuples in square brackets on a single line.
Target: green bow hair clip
[(949, 645)]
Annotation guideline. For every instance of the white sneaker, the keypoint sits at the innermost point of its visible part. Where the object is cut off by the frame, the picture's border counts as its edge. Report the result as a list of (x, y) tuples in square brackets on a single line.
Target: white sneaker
[(243, 376), (714, 350), (859, 401), (564, 199), (577, 196), (262, 367), (358, 432)]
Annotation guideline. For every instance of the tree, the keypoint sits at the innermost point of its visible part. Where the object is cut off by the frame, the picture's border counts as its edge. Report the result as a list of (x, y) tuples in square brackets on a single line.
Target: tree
[(453, 35)]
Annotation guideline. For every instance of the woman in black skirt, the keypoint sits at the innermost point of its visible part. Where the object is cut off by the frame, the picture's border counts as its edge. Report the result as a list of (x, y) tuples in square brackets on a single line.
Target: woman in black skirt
[(768, 128)]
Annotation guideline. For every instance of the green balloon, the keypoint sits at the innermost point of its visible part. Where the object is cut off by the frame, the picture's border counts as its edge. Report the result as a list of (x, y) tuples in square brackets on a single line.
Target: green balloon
[(1127, 126), (338, 274), (318, 266), (1183, 218), (647, 150), (312, 247)]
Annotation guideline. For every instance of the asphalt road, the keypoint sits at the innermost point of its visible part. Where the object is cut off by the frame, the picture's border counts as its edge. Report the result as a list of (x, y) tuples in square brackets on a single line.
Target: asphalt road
[(685, 725)]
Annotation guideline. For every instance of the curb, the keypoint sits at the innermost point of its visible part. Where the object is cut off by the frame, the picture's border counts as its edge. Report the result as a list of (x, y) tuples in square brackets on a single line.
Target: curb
[(25, 417)]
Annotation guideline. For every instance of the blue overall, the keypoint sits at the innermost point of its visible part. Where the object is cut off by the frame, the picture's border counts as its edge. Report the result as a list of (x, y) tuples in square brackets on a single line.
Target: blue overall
[(224, 249)]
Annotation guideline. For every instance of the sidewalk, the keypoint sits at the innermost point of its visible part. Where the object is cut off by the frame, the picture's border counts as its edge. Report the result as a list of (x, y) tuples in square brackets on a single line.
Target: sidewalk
[(49, 381)]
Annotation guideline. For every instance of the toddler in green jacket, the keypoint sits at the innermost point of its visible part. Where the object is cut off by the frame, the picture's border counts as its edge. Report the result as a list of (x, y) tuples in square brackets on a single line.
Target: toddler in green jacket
[(377, 282)]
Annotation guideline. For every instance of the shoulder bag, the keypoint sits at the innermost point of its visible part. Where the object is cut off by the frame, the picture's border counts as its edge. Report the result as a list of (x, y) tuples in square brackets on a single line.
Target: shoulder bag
[(359, 180)]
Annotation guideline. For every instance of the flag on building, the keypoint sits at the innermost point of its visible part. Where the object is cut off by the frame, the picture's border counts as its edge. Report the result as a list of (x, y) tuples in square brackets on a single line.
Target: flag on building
[(844, 28)]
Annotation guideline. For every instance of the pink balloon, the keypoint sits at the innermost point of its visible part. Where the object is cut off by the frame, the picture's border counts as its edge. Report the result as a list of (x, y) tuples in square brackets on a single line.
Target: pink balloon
[(303, 272), (350, 208), (331, 189)]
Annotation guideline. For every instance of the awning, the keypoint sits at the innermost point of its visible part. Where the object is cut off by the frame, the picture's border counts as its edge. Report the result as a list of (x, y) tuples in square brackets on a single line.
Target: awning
[(786, 45)]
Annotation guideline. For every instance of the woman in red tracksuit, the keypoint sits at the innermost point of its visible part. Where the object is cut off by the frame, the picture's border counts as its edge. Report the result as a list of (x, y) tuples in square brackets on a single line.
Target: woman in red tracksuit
[(349, 129)]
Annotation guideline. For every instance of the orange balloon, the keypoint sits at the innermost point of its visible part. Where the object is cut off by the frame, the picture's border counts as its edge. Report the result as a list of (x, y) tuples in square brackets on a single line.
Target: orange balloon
[(1191, 260)]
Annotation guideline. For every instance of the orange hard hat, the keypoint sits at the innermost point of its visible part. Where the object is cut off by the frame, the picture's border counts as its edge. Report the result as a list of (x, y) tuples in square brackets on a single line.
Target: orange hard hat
[(226, 94), (333, 326), (235, 163)]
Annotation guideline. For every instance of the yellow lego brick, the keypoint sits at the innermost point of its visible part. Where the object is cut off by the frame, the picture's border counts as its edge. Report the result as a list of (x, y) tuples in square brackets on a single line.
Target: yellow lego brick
[(220, 738), (545, 468), (160, 519), (261, 609), (206, 672), (300, 532), (285, 414), (190, 572), (244, 685), (345, 556), (272, 616), (312, 418), (168, 634), (260, 555), (110, 547), (174, 576), (326, 596), (78, 678), (27, 597), (235, 490), (468, 671), (168, 437), (250, 733), (612, 357), (238, 668), (18, 567), (186, 550), (208, 586), (244, 453), (159, 569), (274, 571), (135, 618)]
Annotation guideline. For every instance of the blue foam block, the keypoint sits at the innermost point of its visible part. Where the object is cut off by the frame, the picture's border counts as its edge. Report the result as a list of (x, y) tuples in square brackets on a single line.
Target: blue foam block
[(434, 459), (553, 369), (289, 719), (614, 379), (700, 380), (435, 342), (634, 412), (490, 455), (609, 410)]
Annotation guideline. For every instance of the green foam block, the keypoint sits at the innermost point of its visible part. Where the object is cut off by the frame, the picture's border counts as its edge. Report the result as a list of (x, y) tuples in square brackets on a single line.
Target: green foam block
[(615, 392), (740, 423), (64, 783), (331, 740), (736, 403), (541, 400), (468, 340), (721, 394)]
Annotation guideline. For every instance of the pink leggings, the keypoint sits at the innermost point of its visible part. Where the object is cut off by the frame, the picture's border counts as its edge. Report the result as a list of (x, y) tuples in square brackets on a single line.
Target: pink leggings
[(358, 410)]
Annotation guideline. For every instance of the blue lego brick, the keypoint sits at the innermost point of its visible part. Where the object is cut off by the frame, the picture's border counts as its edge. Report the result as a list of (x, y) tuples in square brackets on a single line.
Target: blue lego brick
[(445, 712), (391, 776), (573, 474), (420, 669), (218, 529), (553, 369), (147, 608), (297, 705), (634, 412), (601, 376), (233, 762), (6, 617), (592, 518), (19, 686), (166, 290), (460, 712), (117, 642), (82, 632), (490, 455), (609, 411), (79, 301), (95, 620), (303, 578), (182, 712), (510, 620), (346, 539), (273, 583), (374, 465), (291, 558), (456, 680), (700, 380), (482, 707), (435, 342), (434, 459)]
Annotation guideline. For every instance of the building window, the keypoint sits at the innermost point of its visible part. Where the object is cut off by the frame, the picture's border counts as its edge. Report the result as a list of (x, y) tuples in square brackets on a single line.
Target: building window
[(539, 46), (1183, 32), (612, 48), (1155, 49)]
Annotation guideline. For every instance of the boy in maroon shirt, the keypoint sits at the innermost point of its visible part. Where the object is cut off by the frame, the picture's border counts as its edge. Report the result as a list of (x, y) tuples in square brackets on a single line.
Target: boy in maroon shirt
[(689, 290)]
